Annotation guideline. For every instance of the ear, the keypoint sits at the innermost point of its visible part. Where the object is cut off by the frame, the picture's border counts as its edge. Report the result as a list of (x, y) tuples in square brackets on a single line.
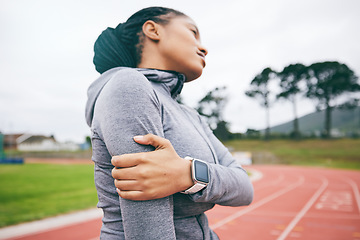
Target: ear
[(151, 30)]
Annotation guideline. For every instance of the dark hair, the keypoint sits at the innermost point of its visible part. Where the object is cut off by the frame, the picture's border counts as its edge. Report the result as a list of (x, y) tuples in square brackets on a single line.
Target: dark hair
[(122, 46)]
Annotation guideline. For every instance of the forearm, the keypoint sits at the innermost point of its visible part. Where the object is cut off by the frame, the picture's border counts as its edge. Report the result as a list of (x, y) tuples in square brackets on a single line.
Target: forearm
[(229, 183), (228, 186)]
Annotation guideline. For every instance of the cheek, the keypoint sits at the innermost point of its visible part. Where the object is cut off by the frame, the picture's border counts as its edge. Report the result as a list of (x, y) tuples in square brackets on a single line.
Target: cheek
[(185, 43)]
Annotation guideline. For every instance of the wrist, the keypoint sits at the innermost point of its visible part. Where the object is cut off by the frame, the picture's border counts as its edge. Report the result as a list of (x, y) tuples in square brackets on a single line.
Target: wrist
[(186, 179), (199, 175)]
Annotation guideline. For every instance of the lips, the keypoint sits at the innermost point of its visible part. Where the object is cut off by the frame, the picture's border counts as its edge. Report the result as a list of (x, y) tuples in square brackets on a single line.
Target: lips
[(202, 55)]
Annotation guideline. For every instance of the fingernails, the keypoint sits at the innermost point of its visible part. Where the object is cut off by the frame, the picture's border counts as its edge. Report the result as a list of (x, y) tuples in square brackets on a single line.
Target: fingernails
[(138, 138)]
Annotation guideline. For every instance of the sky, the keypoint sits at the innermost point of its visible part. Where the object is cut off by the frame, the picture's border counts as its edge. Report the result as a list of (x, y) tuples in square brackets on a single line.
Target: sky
[(46, 51)]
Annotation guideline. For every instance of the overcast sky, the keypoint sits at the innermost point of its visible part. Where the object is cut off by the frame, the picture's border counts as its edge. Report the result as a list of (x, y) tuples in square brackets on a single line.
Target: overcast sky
[(46, 50)]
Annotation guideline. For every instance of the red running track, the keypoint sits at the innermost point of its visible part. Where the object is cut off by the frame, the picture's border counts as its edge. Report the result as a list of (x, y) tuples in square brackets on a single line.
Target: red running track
[(289, 203), (295, 203)]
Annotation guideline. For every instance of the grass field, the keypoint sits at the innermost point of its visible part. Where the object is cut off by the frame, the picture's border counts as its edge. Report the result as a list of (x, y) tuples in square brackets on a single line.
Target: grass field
[(35, 191), (340, 153)]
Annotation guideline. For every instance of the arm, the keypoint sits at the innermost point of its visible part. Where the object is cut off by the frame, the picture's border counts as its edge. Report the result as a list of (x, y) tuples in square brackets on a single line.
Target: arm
[(229, 183), (152, 175), (126, 107)]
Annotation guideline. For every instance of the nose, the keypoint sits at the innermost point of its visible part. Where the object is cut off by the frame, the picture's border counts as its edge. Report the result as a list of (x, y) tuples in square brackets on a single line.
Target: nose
[(203, 49)]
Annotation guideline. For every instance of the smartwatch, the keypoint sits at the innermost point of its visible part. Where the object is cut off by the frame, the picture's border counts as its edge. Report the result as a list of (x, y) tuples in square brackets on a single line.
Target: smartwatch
[(199, 174)]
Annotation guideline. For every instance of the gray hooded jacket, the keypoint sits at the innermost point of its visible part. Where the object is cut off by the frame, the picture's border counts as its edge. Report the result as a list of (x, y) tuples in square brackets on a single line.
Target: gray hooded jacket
[(125, 102)]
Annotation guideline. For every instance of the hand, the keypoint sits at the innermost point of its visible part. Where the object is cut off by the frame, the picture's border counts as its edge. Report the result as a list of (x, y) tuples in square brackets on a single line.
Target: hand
[(151, 175)]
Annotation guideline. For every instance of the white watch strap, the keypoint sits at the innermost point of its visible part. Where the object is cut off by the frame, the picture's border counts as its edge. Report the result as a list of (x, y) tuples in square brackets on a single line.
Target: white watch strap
[(194, 189)]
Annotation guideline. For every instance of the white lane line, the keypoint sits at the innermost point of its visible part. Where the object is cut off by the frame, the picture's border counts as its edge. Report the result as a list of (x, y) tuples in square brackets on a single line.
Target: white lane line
[(258, 204), (356, 192), (303, 211), (49, 223)]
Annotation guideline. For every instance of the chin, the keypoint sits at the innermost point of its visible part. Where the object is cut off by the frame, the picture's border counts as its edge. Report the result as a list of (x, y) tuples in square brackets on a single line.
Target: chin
[(190, 76)]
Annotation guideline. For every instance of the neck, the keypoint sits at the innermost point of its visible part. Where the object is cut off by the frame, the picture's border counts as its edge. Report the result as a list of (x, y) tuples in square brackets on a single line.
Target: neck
[(152, 63), (150, 57)]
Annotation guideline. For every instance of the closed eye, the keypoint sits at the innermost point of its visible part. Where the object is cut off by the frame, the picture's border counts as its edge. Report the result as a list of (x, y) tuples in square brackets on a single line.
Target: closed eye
[(194, 30)]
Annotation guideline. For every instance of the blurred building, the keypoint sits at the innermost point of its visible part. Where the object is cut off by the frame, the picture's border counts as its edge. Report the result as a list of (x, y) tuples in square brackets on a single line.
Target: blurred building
[(10, 140), (30, 142)]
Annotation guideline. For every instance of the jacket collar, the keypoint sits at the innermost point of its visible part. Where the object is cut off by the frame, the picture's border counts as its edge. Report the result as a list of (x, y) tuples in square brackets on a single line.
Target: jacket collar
[(173, 82)]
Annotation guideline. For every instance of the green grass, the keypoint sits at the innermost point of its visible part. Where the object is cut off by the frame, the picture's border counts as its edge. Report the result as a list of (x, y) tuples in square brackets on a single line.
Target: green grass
[(35, 191), (340, 153)]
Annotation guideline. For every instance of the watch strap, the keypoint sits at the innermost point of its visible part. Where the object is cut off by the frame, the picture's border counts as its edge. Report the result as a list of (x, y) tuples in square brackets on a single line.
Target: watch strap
[(197, 185), (194, 188)]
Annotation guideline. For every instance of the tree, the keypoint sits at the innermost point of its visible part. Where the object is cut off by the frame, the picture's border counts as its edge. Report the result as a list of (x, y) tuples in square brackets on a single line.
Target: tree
[(352, 104), (211, 107), (88, 140), (290, 79), (259, 88), (222, 131), (326, 82), (252, 133)]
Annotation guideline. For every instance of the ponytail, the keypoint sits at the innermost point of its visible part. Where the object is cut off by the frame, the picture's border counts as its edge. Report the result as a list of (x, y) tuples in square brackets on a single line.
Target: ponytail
[(111, 52), (122, 46)]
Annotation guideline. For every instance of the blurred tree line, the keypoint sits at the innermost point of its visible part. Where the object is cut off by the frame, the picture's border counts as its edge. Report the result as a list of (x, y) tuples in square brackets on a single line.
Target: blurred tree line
[(324, 82)]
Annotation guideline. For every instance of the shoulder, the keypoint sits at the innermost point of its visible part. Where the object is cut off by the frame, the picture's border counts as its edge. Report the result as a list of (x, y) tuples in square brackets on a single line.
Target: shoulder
[(126, 78), (127, 84), (127, 81)]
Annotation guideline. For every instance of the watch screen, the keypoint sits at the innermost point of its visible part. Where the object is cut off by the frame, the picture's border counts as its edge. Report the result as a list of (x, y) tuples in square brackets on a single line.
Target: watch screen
[(201, 171)]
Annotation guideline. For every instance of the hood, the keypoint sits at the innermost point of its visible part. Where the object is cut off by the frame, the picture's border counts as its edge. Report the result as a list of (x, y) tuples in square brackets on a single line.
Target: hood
[(172, 82)]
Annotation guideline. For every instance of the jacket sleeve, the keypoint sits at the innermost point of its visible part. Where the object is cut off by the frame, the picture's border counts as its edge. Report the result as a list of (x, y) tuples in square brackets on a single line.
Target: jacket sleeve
[(229, 183), (126, 107)]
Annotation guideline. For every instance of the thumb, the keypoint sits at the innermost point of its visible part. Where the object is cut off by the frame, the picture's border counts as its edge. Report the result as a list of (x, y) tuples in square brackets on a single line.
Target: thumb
[(153, 140)]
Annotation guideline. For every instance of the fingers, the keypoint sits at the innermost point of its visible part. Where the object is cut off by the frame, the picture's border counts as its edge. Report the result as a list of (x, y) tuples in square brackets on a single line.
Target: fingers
[(127, 185), (130, 189), (127, 160), (151, 139), (130, 160), (132, 195), (137, 195), (124, 173)]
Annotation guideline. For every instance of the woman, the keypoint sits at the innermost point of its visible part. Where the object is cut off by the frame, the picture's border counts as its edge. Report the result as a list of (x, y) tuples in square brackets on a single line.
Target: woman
[(138, 127)]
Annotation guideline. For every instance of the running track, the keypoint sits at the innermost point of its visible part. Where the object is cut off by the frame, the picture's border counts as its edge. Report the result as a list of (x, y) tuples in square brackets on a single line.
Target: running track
[(289, 203)]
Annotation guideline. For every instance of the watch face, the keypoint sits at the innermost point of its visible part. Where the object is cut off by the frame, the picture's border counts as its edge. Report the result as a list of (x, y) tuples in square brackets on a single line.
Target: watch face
[(201, 171)]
